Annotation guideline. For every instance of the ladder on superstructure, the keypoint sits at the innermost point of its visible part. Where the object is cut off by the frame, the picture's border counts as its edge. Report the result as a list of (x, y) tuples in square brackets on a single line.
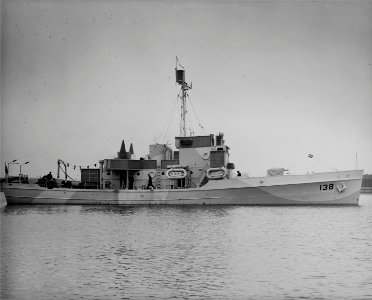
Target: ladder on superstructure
[(158, 177)]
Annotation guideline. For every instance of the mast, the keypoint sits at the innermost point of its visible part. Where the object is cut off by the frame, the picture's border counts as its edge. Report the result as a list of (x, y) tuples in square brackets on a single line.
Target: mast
[(180, 79)]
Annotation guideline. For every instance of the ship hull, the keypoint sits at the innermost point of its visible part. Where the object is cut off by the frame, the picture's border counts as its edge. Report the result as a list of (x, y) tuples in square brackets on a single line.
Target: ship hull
[(332, 188)]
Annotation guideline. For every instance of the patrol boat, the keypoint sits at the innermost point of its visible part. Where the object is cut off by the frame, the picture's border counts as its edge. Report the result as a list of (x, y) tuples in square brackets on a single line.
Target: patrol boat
[(197, 172)]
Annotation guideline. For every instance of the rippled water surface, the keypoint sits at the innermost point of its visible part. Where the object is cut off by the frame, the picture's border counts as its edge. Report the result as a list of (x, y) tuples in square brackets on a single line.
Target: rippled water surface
[(98, 252)]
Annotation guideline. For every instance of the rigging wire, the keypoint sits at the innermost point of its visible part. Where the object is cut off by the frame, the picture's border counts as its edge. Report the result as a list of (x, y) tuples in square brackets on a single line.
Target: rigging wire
[(191, 127), (180, 121), (191, 122), (178, 62), (168, 121), (197, 117)]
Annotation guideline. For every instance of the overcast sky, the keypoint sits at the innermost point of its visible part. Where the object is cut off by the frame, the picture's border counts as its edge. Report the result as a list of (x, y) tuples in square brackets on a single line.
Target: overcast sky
[(281, 79)]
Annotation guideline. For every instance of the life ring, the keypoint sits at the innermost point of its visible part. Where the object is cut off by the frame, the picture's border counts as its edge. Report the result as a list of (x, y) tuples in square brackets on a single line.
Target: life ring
[(176, 173), (216, 173)]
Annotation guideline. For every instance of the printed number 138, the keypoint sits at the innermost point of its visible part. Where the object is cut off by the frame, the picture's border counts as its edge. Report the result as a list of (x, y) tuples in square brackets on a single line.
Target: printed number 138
[(324, 187)]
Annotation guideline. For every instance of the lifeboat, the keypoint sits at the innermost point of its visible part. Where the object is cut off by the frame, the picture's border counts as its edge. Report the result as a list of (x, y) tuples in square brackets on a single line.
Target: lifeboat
[(216, 173), (176, 173)]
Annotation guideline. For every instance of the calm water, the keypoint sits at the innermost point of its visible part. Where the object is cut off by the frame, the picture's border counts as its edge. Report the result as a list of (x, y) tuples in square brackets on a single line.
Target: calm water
[(88, 252)]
